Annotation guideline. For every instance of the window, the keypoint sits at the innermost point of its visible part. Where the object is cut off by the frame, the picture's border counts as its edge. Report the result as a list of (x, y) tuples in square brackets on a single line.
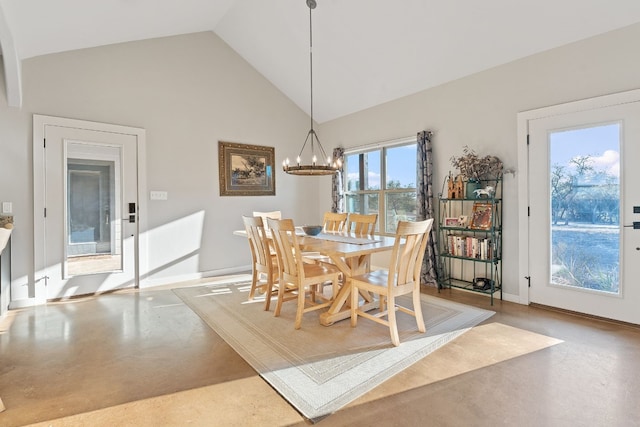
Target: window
[(382, 180)]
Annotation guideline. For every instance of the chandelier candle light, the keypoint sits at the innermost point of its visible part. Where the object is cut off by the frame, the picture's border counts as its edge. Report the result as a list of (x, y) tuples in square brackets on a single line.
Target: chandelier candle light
[(315, 168)]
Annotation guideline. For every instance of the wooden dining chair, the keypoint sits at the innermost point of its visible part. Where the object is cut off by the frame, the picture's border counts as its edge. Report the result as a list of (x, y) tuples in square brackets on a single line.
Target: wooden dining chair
[(298, 280), (333, 221), (264, 262), (402, 277), (361, 223)]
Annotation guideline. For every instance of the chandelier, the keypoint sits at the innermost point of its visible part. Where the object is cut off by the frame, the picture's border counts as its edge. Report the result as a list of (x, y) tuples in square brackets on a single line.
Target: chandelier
[(322, 165)]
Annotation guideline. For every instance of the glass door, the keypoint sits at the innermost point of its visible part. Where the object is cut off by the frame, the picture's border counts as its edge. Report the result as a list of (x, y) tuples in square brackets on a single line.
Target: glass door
[(584, 253), (91, 223), (93, 194)]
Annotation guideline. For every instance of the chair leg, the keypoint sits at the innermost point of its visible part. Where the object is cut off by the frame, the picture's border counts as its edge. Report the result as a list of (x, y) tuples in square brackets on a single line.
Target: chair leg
[(281, 290), (417, 309), (255, 277), (300, 311), (354, 306), (391, 316), (267, 294)]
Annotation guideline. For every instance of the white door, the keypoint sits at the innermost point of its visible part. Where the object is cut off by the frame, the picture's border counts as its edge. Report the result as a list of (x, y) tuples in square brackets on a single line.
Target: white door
[(584, 254), (91, 201)]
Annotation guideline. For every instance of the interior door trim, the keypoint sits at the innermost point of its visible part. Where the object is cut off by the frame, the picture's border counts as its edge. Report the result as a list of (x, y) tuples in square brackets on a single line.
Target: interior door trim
[(523, 168), (37, 290)]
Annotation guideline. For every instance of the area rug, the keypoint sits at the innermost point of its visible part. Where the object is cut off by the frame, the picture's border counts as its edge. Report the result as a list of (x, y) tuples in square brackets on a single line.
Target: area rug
[(319, 369)]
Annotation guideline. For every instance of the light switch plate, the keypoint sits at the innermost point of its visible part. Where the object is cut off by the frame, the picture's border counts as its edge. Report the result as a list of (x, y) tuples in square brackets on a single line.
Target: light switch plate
[(7, 207), (158, 195)]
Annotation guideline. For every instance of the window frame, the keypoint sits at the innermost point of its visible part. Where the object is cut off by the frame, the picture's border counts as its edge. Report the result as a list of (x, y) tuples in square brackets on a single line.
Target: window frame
[(383, 191)]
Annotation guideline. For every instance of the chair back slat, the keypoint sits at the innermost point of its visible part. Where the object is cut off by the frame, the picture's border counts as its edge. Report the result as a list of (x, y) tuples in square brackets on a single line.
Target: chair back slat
[(408, 252), (333, 221), (361, 223)]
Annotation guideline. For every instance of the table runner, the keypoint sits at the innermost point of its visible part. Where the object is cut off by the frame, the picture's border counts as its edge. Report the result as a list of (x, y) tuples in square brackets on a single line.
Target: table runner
[(346, 239)]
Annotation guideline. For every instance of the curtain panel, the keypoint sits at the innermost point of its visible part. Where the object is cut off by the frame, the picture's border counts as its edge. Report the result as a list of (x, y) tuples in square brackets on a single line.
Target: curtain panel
[(337, 188), (429, 274)]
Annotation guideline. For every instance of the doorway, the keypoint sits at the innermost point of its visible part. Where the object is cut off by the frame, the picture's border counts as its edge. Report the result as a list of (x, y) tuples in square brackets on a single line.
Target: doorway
[(582, 203), (86, 187)]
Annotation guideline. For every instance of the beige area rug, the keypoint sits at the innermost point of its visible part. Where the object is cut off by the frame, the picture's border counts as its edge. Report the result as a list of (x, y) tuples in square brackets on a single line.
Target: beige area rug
[(320, 369), (218, 405)]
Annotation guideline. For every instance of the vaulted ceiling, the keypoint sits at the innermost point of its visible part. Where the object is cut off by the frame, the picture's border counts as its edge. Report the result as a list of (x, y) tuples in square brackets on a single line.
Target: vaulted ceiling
[(365, 52)]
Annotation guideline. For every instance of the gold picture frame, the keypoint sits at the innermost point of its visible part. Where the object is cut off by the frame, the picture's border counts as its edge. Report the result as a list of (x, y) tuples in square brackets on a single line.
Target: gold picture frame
[(482, 216), (246, 170)]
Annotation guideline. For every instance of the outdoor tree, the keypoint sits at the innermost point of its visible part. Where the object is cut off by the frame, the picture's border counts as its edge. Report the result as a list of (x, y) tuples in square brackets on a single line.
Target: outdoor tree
[(580, 192), (401, 202), (561, 192)]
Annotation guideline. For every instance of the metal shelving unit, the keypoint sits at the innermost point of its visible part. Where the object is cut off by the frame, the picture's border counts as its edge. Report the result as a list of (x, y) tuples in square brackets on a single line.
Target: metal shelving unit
[(470, 249)]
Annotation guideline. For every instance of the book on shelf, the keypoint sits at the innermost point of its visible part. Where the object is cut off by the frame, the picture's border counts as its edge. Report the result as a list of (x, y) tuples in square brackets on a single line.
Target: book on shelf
[(470, 247)]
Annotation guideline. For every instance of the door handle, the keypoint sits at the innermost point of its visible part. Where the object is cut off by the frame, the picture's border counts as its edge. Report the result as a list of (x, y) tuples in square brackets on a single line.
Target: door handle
[(635, 225), (132, 212)]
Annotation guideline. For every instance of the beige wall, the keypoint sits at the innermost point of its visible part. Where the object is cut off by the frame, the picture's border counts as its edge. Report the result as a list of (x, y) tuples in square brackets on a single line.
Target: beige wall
[(188, 92), (480, 111)]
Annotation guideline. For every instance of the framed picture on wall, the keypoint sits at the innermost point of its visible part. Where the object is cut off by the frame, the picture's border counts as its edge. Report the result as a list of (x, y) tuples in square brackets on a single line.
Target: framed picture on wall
[(246, 170)]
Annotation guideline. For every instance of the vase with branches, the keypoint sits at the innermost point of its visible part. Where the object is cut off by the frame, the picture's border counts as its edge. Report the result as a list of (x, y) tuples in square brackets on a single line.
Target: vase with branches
[(476, 168)]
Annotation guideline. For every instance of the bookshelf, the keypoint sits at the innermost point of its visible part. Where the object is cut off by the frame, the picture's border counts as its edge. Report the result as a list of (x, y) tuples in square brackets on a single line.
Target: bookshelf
[(470, 237)]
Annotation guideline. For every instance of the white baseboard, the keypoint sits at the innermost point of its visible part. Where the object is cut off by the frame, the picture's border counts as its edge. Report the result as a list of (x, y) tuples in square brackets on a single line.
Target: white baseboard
[(27, 302), (149, 283)]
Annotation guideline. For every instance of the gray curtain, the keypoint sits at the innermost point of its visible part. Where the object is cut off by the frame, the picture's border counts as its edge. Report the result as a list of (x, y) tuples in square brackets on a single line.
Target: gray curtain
[(337, 189), (429, 274)]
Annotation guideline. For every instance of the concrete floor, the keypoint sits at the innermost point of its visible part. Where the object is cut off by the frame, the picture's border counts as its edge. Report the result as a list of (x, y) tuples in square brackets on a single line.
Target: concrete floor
[(118, 349)]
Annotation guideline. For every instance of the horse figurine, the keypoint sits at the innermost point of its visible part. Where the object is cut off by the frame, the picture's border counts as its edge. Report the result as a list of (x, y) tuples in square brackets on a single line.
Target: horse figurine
[(487, 191)]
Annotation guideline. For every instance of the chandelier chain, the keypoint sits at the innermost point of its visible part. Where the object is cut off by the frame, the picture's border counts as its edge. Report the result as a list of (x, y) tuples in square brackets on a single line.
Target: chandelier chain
[(317, 167)]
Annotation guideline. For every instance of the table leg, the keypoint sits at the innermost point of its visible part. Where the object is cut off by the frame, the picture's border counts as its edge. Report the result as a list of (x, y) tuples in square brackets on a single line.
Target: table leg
[(339, 309)]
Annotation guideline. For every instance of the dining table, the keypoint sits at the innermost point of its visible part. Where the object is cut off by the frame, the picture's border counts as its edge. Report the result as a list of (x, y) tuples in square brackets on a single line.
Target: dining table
[(351, 254)]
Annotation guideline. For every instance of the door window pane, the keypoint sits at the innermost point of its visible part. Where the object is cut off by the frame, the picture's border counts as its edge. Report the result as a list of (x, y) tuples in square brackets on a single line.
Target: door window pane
[(585, 207), (92, 193)]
